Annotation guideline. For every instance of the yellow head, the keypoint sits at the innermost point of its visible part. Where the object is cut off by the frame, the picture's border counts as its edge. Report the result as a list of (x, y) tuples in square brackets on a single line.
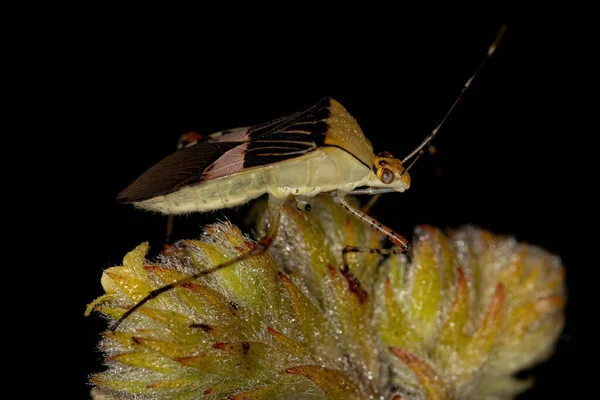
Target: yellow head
[(388, 172)]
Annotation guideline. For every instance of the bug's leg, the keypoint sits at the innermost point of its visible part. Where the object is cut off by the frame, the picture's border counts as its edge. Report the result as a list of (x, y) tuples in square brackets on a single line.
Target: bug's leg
[(392, 236), (170, 224), (353, 249), (303, 203), (187, 138), (371, 191), (261, 246), (367, 207)]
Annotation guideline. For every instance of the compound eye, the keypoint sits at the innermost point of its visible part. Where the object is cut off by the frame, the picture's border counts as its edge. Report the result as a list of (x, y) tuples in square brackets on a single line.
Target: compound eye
[(387, 176)]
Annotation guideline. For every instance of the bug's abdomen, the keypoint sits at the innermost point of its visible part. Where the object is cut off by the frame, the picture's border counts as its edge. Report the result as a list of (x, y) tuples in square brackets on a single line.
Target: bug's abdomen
[(323, 170), (212, 195)]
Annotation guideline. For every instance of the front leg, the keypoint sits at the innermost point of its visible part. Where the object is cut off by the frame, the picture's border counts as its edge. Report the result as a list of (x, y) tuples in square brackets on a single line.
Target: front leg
[(389, 234), (353, 249)]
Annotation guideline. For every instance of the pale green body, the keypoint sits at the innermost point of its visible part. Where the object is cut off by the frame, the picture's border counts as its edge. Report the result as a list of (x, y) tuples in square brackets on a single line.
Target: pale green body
[(322, 170)]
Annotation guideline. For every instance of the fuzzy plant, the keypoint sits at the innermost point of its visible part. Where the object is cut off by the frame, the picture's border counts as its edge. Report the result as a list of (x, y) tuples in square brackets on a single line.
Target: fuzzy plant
[(454, 319)]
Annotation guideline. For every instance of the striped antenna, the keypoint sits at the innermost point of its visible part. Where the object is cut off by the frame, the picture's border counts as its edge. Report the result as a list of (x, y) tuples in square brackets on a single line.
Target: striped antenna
[(419, 150)]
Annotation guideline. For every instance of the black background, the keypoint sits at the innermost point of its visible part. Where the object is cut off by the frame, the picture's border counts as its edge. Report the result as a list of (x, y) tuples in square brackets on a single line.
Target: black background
[(505, 160)]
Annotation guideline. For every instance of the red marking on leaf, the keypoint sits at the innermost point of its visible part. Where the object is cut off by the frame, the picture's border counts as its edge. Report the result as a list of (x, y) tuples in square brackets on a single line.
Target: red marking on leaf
[(295, 370), (555, 301), (461, 285), (273, 331), (332, 270), (191, 286), (172, 250), (348, 224), (427, 228), (283, 277), (403, 355), (152, 268)]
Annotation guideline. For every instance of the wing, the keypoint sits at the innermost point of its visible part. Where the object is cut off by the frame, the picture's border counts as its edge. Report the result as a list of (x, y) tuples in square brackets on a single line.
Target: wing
[(305, 126), (233, 151), (178, 170)]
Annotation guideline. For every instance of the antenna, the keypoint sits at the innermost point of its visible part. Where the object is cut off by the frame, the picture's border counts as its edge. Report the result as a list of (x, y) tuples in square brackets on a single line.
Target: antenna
[(419, 150)]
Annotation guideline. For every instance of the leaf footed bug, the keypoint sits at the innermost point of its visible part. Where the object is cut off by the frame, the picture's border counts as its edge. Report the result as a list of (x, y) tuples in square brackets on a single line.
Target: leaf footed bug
[(321, 150)]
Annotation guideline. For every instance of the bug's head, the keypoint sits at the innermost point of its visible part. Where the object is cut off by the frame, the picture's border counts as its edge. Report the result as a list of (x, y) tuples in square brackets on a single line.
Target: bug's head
[(388, 172)]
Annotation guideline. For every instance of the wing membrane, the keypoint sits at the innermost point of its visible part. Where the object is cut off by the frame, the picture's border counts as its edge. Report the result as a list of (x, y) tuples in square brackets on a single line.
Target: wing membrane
[(178, 170)]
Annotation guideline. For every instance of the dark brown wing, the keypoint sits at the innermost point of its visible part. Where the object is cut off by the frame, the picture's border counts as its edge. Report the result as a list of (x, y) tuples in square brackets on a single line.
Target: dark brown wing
[(180, 169), (233, 151)]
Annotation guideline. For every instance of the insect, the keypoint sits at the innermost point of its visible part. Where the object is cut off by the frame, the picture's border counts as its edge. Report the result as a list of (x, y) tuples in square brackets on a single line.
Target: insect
[(321, 150)]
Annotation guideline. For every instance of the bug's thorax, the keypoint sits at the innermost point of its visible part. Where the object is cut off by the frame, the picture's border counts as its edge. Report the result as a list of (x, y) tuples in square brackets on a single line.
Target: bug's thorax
[(344, 132)]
